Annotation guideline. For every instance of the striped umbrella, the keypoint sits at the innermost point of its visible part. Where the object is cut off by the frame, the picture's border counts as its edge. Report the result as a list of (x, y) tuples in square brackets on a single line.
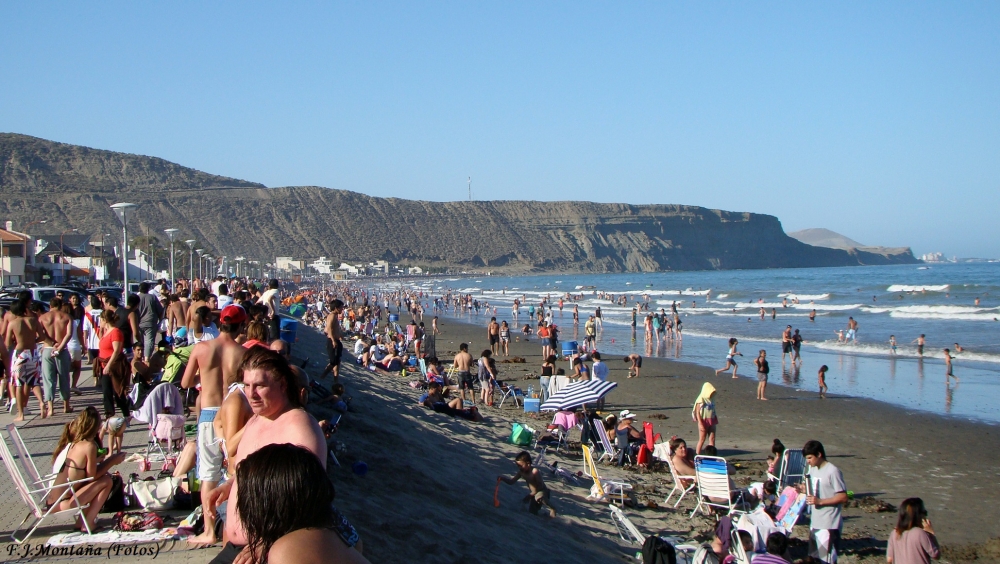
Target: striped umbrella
[(577, 394)]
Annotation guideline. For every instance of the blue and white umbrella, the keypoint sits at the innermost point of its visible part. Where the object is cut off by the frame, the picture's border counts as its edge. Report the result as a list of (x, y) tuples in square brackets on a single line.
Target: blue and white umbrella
[(577, 394)]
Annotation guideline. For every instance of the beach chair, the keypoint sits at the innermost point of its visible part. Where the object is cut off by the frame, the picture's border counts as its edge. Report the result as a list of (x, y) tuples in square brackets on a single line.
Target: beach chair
[(423, 367), (712, 476), (610, 487), (508, 391), (679, 483), (610, 452), (791, 469), (631, 534), (34, 494), (736, 547)]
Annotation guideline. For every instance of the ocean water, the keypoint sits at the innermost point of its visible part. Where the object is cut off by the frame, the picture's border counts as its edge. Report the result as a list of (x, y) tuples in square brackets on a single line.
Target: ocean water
[(937, 300)]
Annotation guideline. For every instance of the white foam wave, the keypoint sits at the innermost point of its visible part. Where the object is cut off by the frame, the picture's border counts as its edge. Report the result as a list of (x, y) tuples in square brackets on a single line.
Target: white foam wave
[(950, 316), (880, 349), (720, 296), (906, 288), (805, 297)]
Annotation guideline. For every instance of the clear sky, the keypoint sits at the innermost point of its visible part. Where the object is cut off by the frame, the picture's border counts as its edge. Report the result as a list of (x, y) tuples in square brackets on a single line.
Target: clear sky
[(877, 120)]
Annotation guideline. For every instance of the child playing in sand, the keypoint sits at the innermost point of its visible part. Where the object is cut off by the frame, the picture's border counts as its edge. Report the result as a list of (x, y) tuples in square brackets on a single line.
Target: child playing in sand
[(539, 493), (114, 428), (822, 380)]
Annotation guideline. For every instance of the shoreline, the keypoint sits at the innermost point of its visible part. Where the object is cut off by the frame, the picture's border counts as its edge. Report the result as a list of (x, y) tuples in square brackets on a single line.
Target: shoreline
[(885, 451)]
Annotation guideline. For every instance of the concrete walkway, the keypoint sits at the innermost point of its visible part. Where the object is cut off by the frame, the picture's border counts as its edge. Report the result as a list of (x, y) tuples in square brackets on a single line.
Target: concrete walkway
[(41, 437)]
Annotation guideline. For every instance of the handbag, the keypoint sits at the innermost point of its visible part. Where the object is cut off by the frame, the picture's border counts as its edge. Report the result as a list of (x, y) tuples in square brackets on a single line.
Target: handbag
[(155, 494), (117, 500), (520, 435)]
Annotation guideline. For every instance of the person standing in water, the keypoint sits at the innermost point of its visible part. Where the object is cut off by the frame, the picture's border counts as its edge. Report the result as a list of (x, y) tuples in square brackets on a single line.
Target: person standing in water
[(947, 364), (705, 416), (762, 372), (920, 341)]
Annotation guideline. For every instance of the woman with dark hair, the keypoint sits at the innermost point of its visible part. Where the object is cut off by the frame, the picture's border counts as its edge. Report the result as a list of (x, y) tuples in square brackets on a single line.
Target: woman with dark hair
[(913, 540), (286, 508)]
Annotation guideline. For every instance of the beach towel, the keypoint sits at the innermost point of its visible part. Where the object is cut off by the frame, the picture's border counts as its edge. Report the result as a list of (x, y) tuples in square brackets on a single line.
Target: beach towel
[(785, 501), (25, 367)]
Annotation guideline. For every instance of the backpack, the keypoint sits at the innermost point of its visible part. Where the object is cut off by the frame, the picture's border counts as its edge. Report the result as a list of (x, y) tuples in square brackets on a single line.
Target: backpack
[(658, 551)]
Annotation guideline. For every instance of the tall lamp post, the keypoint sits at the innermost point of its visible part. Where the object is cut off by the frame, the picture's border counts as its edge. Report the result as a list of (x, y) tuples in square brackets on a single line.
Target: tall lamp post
[(200, 260), (62, 255), (171, 233), (208, 266), (121, 210), (190, 243)]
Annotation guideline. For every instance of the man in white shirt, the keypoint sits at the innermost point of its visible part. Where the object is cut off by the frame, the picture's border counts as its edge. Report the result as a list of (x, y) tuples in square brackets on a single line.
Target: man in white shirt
[(600, 372)]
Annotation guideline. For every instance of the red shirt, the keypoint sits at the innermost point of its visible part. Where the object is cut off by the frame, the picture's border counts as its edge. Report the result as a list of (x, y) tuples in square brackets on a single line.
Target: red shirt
[(105, 350)]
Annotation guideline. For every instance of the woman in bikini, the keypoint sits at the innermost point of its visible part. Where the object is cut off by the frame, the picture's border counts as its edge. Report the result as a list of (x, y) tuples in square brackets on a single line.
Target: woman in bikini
[(76, 458)]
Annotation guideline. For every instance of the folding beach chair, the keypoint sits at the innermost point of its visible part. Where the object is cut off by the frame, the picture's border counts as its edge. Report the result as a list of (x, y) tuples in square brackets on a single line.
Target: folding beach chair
[(631, 534), (610, 452), (793, 468), (679, 483), (610, 487), (736, 547), (35, 494), (508, 391), (423, 367), (712, 475)]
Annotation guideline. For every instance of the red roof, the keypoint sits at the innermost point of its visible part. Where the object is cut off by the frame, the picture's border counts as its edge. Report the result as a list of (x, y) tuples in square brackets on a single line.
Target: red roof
[(8, 237)]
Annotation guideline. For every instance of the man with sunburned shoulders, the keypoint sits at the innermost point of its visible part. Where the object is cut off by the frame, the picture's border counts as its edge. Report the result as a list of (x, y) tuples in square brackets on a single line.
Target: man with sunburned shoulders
[(213, 363), (57, 329), (334, 344), (21, 337)]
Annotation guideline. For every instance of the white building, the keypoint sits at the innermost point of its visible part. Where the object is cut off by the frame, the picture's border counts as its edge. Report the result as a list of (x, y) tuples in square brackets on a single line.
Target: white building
[(288, 263), (349, 268), (322, 265)]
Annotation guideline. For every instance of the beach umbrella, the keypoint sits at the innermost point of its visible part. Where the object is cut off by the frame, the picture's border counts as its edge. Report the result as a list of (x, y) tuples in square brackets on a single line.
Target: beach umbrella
[(577, 394)]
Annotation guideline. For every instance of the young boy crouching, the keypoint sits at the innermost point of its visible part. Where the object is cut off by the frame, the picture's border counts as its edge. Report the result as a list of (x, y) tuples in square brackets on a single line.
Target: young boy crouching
[(539, 493)]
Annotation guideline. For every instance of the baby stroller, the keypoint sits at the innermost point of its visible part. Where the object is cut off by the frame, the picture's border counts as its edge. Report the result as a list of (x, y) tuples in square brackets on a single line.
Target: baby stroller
[(162, 412)]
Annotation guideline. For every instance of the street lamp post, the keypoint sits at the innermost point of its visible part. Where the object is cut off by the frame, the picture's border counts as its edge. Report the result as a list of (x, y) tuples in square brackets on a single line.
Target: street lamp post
[(171, 233), (121, 210), (199, 251), (190, 243), (62, 255)]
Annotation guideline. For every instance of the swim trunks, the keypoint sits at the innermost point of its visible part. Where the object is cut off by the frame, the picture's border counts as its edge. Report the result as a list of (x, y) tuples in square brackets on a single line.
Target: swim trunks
[(762, 377), (465, 381), (25, 366), (334, 351), (920, 349), (209, 447), (786, 347)]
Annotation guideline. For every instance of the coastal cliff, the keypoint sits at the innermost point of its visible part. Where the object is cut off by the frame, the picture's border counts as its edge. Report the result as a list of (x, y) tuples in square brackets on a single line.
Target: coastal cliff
[(72, 186)]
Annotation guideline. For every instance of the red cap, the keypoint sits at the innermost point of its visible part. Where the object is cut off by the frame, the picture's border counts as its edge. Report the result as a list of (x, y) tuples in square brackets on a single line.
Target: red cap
[(233, 315)]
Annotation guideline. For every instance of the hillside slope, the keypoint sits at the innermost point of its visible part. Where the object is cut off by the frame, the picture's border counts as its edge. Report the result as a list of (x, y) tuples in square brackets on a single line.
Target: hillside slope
[(72, 187)]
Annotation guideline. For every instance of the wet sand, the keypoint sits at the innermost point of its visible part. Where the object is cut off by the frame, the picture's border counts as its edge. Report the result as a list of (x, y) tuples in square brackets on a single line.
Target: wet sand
[(885, 452)]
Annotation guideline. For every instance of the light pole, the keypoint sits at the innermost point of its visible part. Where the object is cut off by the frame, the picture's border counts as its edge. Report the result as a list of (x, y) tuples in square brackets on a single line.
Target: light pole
[(62, 256), (171, 233), (190, 243), (121, 210), (208, 266), (239, 261), (200, 260)]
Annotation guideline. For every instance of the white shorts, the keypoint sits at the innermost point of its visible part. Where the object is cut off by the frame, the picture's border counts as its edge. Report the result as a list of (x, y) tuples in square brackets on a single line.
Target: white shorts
[(209, 448), (75, 354)]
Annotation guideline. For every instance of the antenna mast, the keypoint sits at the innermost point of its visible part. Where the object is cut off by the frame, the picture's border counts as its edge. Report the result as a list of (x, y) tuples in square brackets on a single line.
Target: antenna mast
[(470, 188)]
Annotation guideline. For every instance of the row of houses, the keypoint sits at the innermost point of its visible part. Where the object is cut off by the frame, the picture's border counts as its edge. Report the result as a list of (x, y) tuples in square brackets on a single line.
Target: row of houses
[(57, 259), (324, 265)]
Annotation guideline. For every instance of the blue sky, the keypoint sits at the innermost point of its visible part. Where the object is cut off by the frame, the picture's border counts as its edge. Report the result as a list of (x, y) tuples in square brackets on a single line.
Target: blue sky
[(877, 120)]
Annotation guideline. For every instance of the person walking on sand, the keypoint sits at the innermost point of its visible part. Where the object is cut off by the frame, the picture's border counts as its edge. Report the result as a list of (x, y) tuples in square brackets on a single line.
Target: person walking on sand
[(822, 381), (730, 358), (947, 364), (704, 415), (762, 371)]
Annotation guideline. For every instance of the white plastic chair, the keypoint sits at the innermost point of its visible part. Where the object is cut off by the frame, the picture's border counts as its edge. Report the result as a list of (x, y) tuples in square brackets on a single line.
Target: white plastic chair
[(712, 475), (678, 483), (631, 534), (34, 496), (611, 487)]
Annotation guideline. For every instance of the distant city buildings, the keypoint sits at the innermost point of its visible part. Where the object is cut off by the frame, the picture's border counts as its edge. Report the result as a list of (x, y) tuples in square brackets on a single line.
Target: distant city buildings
[(932, 257)]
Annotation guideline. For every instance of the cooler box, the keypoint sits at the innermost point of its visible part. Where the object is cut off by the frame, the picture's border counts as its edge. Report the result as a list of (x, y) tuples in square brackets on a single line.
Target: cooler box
[(287, 329), (531, 405), (393, 318), (569, 348)]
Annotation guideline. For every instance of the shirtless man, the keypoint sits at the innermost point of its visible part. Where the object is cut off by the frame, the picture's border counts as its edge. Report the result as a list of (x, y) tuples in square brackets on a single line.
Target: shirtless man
[(463, 364), (23, 332), (334, 344), (199, 299), (176, 315), (57, 327), (214, 363), (493, 335), (852, 330), (786, 343)]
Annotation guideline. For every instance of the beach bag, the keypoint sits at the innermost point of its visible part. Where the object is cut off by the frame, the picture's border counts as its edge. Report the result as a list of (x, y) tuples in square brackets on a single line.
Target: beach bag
[(658, 551), (520, 435), (155, 494), (137, 521), (169, 427), (117, 500)]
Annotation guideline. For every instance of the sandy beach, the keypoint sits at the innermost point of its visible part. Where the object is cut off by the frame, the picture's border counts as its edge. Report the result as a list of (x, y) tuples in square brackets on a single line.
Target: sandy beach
[(428, 491)]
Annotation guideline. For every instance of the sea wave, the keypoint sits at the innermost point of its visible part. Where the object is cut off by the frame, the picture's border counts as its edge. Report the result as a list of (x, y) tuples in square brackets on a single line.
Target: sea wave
[(805, 297), (876, 349), (906, 288)]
